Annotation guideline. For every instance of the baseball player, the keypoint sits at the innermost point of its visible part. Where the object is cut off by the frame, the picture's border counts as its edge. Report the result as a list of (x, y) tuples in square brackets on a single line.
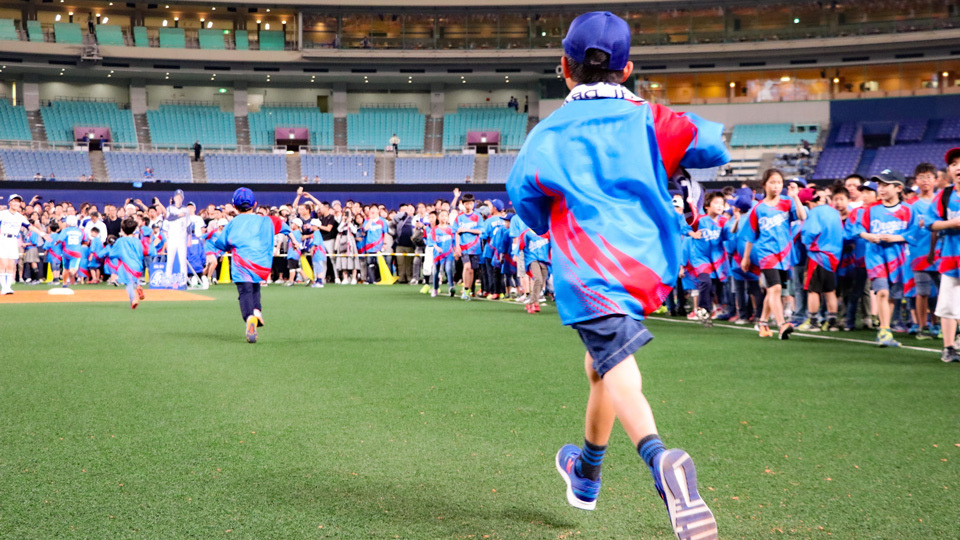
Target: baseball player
[(12, 222)]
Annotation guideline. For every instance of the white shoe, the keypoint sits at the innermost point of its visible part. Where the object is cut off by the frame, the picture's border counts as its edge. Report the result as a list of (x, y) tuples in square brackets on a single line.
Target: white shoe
[(6, 292), (433, 293), (204, 282), (353, 281)]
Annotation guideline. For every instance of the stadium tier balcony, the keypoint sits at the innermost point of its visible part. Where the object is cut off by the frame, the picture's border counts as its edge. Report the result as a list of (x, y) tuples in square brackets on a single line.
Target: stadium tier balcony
[(61, 117), (334, 168), (25, 164)]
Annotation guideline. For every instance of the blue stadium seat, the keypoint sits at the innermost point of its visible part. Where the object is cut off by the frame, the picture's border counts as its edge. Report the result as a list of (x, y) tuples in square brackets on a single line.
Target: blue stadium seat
[(499, 167), (433, 170), (64, 165), (179, 126), (337, 168), (905, 158), (62, 116), (767, 135), (130, 166), (263, 123), (252, 168), (511, 125), (13, 123), (837, 163), (372, 128)]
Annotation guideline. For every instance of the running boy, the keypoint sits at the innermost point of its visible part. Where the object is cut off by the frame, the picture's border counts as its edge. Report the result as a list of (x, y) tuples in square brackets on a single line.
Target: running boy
[(249, 239), (886, 227), (601, 191), (129, 252)]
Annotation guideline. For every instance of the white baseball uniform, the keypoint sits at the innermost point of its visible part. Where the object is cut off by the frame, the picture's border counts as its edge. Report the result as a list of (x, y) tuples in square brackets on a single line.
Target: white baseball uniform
[(176, 228), (10, 226)]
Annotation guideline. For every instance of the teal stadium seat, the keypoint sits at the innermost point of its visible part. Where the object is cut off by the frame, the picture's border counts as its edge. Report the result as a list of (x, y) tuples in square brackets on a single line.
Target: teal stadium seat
[(179, 126), (766, 135), (67, 33), (263, 123), (211, 39), (8, 31), (172, 38), (371, 128), (110, 35), (242, 40), (140, 37), (271, 40), (13, 123), (34, 31), (62, 116), (511, 125)]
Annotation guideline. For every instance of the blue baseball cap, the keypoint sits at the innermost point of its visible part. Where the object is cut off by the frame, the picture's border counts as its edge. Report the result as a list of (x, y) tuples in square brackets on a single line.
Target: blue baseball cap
[(599, 30), (498, 204), (798, 180), (872, 186), (243, 198)]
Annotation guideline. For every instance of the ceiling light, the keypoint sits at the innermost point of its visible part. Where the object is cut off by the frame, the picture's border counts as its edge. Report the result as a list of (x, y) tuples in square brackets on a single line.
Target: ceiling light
[(71, 14), (214, 9), (176, 18), (108, 75), (57, 18), (111, 3), (268, 10), (464, 81), (258, 21), (785, 78), (166, 7), (796, 21), (945, 74), (266, 26), (111, 71), (209, 24), (283, 22), (105, 19), (164, 22), (836, 79), (733, 85), (166, 78)]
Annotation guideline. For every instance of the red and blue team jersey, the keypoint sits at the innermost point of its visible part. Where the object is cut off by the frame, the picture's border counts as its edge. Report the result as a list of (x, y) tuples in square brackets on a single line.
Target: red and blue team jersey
[(249, 239), (316, 247), (96, 246), (54, 247), (294, 248), (441, 238), (517, 226), (887, 259), (469, 242), (502, 246), (798, 255), (855, 247), (210, 243), (73, 239), (32, 240), (689, 278), (373, 233), (920, 240), (770, 233), (128, 252), (536, 248), (739, 246), (708, 255), (595, 175), (949, 238), (822, 236), (490, 225)]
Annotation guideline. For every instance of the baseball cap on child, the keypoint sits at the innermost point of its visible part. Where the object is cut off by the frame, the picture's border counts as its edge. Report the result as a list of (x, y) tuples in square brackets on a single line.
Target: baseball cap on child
[(298, 222), (498, 204), (952, 154), (314, 222), (243, 198), (888, 176), (71, 221), (599, 30)]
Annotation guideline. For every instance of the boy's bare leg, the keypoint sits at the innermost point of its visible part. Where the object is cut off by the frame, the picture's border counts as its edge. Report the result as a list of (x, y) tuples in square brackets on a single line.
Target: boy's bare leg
[(884, 308), (618, 395)]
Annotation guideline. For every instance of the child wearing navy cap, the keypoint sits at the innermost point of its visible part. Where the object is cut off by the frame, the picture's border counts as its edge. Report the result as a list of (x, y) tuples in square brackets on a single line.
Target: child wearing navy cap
[(594, 174)]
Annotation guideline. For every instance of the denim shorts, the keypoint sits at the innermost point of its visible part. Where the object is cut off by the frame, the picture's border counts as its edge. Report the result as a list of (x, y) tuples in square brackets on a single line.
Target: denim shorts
[(883, 284), (611, 339), (474, 260), (926, 282)]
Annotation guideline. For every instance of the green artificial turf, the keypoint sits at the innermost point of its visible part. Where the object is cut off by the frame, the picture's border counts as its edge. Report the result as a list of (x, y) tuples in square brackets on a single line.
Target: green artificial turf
[(377, 412)]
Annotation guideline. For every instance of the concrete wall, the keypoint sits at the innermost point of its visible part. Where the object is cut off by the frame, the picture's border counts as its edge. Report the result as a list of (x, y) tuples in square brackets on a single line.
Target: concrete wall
[(454, 96), (53, 90), (421, 99), (288, 95), (157, 94)]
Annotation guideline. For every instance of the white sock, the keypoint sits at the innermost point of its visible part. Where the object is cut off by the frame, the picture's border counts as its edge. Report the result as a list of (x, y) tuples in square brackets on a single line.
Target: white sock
[(6, 280)]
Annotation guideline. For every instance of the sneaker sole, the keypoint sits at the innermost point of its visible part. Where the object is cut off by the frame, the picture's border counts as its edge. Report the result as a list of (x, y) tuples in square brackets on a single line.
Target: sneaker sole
[(785, 335), (689, 515), (251, 333), (571, 498)]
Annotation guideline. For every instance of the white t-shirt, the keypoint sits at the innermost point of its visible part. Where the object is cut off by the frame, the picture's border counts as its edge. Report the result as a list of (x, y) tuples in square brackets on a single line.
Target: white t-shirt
[(11, 223), (176, 225), (98, 225)]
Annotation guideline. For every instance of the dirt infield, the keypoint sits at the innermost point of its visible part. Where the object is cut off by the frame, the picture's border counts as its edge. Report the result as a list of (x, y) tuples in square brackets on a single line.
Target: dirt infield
[(114, 295)]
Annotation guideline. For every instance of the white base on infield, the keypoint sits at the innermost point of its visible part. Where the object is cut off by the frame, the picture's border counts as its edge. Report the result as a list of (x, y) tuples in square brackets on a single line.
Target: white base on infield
[(60, 291)]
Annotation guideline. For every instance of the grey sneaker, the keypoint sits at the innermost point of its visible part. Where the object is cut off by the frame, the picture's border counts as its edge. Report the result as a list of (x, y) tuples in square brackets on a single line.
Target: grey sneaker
[(949, 354)]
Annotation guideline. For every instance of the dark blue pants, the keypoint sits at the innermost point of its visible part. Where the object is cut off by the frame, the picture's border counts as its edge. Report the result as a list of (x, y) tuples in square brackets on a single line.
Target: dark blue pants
[(708, 289), (854, 284), (249, 296), (748, 295)]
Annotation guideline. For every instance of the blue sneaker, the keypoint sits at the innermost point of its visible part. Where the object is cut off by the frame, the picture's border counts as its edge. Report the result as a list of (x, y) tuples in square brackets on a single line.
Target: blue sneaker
[(251, 329), (581, 492), (885, 339), (676, 480), (914, 329)]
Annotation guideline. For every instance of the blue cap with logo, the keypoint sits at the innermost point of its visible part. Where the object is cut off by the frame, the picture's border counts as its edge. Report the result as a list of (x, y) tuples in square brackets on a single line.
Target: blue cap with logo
[(243, 198), (498, 204), (599, 30)]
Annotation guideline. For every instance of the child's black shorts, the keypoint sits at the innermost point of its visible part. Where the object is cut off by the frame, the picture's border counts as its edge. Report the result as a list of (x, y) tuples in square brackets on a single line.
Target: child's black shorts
[(819, 279), (293, 264)]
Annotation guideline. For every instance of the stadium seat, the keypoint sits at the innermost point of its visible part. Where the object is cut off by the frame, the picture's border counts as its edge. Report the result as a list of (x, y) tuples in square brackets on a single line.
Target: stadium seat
[(949, 130), (767, 135), (334, 168), (253, 168), (271, 40), (24, 164), (499, 167), (179, 126), (34, 31), (837, 163), (140, 37), (67, 33), (430, 170), (371, 128), (8, 31), (62, 116), (905, 158), (263, 123), (511, 125), (911, 130), (211, 39), (13, 123), (129, 166), (846, 133), (242, 40), (172, 38), (110, 35)]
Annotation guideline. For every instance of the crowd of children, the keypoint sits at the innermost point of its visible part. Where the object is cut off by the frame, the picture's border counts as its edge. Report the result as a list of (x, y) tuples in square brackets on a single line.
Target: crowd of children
[(818, 258)]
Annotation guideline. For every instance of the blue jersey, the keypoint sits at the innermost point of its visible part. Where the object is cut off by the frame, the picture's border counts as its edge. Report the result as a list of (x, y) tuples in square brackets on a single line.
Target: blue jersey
[(517, 227), (887, 259), (770, 233), (373, 233), (739, 235), (536, 248), (249, 239), (689, 279), (487, 230), (822, 236), (708, 255), (502, 249), (128, 252), (441, 238), (469, 242), (210, 243), (73, 239), (96, 246), (920, 239), (293, 251), (950, 238), (595, 175)]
